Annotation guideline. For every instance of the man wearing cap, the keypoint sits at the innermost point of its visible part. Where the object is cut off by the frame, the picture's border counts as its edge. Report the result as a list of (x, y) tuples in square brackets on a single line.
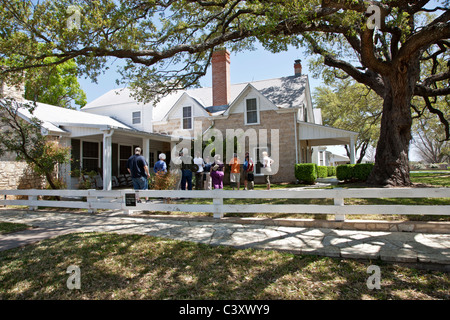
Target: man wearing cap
[(137, 167)]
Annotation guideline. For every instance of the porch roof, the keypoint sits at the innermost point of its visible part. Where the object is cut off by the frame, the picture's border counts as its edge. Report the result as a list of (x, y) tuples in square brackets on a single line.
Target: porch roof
[(320, 135), (62, 121)]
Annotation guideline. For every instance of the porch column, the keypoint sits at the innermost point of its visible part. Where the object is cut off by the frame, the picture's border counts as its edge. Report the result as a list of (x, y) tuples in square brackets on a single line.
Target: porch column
[(352, 150), (107, 159), (146, 150), (64, 169)]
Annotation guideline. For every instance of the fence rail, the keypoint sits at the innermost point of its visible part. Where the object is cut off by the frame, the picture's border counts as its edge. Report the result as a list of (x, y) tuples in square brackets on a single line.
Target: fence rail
[(116, 199)]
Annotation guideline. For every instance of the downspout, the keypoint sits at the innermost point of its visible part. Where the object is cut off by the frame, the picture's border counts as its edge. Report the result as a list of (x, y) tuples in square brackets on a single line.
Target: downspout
[(296, 141)]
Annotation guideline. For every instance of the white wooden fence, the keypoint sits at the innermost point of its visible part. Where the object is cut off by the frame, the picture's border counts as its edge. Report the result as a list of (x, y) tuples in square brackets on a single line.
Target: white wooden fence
[(116, 199)]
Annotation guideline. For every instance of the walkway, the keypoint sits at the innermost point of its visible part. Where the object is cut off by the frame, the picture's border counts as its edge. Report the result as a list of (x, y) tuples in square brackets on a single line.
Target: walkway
[(387, 246)]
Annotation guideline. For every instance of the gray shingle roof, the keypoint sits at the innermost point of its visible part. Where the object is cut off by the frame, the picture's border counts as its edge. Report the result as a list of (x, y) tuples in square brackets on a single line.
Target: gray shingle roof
[(285, 92)]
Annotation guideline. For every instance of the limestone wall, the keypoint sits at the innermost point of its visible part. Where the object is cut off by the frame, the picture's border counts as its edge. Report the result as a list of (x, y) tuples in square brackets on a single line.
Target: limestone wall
[(18, 175)]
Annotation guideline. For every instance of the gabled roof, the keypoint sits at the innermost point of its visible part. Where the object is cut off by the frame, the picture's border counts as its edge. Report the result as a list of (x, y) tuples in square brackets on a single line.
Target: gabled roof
[(285, 92), (112, 97)]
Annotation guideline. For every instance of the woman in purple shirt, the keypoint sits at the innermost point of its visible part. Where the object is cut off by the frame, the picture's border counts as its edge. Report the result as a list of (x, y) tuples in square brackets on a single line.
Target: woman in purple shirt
[(217, 173)]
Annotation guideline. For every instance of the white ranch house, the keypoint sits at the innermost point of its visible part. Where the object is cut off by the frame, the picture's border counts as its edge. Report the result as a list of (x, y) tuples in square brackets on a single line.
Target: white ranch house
[(103, 134)]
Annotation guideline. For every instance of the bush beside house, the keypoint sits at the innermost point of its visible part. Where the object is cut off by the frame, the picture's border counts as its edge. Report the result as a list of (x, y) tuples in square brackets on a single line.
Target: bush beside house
[(322, 171), (354, 172), (306, 172)]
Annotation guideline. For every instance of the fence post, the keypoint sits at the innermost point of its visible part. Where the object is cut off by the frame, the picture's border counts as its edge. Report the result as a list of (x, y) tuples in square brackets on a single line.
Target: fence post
[(90, 199), (218, 208), (339, 202), (31, 207)]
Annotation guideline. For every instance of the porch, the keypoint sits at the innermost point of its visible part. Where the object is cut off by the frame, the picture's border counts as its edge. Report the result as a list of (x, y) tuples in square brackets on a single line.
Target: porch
[(99, 157), (314, 135)]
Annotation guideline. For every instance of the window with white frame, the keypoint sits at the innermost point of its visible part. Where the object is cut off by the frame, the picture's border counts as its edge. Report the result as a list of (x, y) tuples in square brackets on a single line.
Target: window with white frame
[(136, 117), (251, 111), (187, 117)]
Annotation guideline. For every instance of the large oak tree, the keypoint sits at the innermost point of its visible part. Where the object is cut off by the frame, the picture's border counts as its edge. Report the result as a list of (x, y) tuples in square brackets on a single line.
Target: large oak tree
[(168, 45)]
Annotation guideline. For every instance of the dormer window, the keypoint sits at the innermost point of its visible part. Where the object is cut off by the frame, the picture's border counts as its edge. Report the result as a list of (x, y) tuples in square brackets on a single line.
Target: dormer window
[(136, 117), (187, 118), (251, 112)]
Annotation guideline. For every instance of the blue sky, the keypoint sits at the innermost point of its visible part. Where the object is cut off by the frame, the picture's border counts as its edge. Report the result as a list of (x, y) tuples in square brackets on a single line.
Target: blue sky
[(245, 66)]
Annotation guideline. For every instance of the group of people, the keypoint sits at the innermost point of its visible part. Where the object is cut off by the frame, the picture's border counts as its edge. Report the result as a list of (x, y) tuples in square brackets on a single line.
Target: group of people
[(208, 174)]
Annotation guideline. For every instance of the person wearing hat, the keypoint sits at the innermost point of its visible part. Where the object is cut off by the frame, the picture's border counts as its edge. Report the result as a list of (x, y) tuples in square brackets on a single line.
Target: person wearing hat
[(137, 167)]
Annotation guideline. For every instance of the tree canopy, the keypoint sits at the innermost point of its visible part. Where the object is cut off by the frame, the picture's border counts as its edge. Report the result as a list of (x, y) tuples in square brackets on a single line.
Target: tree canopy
[(56, 85), (168, 45)]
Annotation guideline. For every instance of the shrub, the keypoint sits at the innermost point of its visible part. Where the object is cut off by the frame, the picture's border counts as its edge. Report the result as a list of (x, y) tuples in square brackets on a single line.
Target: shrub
[(162, 181), (322, 171), (345, 171), (354, 172), (331, 171), (361, 171), (306, 172)]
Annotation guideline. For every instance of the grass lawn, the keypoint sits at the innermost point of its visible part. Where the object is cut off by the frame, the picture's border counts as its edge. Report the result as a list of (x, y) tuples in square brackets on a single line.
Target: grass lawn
[(142, 267), (7, 227), (438, 179)]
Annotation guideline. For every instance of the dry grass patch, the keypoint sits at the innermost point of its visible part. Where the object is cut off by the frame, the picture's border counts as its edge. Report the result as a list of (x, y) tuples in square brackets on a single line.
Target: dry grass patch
[(143, 267)]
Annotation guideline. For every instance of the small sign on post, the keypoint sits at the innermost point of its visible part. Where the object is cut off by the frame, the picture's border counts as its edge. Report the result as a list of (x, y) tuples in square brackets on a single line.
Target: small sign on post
[(130, 200)]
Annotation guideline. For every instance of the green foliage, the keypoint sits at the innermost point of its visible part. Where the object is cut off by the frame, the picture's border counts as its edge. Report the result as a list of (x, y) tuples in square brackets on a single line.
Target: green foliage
[(361, 171), (354, 172), (331, 171), (306, 172), (344, 172), (26, 140), (322, 171), (57, 85)]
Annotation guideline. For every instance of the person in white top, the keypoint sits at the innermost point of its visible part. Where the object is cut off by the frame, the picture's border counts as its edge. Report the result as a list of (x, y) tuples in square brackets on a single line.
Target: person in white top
[(267, 164), (199, 174)]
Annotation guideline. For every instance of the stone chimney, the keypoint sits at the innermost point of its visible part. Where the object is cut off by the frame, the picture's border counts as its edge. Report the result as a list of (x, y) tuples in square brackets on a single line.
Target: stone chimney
[(298, 67), (221, 77)]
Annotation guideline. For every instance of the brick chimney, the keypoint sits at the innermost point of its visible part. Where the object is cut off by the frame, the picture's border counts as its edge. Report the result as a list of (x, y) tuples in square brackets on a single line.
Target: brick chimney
[(221, 77), (298, 67)]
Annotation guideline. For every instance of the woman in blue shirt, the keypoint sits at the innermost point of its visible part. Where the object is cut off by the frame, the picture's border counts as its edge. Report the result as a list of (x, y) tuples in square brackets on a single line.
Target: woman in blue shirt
[(161, 164)]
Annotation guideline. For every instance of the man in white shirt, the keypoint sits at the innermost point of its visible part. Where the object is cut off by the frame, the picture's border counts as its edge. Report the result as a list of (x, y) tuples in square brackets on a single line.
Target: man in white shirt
[(199, 174)]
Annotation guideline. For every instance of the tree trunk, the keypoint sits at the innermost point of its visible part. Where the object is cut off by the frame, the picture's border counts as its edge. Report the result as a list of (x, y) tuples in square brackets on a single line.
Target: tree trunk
[(392, 159), (49, 178)]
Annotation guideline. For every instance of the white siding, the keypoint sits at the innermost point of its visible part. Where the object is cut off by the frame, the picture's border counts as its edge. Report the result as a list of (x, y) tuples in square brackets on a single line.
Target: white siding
[(124, 114), (250, 93), (176, 113)]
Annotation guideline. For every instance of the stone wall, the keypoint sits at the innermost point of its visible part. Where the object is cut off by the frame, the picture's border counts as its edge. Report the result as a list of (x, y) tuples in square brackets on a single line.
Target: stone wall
[(18, 175)]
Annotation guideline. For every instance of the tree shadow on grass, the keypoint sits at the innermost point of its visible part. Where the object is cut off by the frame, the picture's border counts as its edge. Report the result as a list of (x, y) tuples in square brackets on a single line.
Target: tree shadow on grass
[(143, 267)]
